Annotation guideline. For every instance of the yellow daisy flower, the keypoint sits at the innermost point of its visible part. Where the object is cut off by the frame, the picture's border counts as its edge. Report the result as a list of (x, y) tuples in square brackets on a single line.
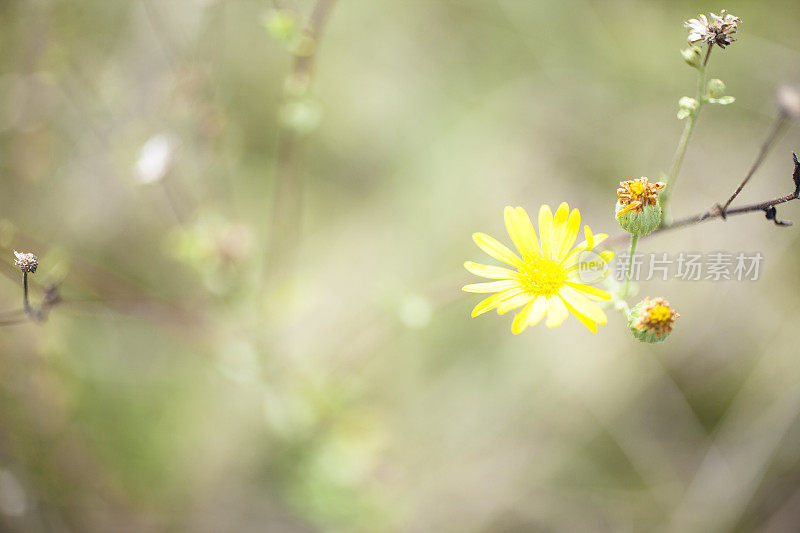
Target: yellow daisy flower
[(545, 279)]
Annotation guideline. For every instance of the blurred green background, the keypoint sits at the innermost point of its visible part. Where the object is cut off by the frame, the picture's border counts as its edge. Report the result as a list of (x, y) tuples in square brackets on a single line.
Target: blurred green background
[(262, 327)]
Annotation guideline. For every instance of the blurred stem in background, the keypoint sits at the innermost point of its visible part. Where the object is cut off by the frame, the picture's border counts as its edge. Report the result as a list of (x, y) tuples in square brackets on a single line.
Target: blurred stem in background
[(287, 192), (680, 151)]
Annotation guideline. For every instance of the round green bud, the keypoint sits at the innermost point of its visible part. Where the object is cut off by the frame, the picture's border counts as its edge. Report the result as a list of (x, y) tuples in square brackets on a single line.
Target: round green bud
[(282, 25), (687, 106), (716, 88), (688, 103), (638, 209), (639, 221), (693, 56)]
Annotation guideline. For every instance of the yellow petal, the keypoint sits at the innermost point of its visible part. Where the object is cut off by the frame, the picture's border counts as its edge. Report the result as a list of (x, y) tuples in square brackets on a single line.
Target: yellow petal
[(582, 305), (574, 256), (559, 227), (521, 320), (587, 234), (487, 304), (491, 272), (633, 206), (590, 324), (573, 225), (561, 215), (545, 229), (513, 303), (556, 312), (599, 294), (538, 311), (493, 301), (497, 250), (597, 238), (493, 286), (588, 259), (520, 229)]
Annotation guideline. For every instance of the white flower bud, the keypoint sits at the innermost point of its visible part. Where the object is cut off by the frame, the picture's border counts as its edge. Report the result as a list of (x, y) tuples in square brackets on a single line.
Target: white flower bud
[(715, 88), (693, 56)]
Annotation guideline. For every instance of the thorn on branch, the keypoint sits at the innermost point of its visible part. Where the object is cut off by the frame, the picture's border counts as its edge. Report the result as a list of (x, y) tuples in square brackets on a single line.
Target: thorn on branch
[(796, 175), (771, 214), (716, 211)]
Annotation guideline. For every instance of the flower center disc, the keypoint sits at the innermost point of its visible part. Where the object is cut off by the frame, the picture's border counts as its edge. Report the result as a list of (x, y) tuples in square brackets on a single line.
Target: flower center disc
[(544, 277), (660, 315), (637, 189)]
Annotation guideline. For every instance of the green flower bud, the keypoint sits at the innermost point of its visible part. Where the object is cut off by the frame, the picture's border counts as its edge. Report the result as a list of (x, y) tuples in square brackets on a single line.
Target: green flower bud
[(640, 222), (282, 25), (715, 88), (651, 320), (638, 210), (687, 106), (693, 56), (301, 115)]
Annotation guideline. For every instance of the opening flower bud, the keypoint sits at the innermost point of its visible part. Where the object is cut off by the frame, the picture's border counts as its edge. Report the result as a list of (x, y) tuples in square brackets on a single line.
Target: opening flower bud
[(693, 56), (651, 320), (638, 210)]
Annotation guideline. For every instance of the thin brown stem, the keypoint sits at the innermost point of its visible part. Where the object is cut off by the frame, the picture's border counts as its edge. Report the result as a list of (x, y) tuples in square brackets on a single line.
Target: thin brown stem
[(25, 301), (708, 54), (774, 133), (713, 213)]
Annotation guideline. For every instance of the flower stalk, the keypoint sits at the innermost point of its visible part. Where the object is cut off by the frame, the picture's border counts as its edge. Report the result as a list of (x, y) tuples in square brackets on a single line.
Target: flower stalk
[(688, 128), (631, 252), (27, 263), (25, 301)]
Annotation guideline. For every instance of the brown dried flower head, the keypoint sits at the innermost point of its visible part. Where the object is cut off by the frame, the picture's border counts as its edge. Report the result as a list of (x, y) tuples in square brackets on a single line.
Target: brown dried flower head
[(27, 262), (718, 30), (635, 195), (657, 317)]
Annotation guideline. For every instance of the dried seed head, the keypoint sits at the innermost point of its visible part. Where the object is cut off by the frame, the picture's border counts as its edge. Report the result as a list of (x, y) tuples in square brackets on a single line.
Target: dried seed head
[(26, 262), (718, 30), (638, 210), (652, 320)]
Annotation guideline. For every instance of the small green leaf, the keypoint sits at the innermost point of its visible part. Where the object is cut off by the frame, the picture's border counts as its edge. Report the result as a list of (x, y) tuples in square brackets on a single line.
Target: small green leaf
[(725, 100)]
